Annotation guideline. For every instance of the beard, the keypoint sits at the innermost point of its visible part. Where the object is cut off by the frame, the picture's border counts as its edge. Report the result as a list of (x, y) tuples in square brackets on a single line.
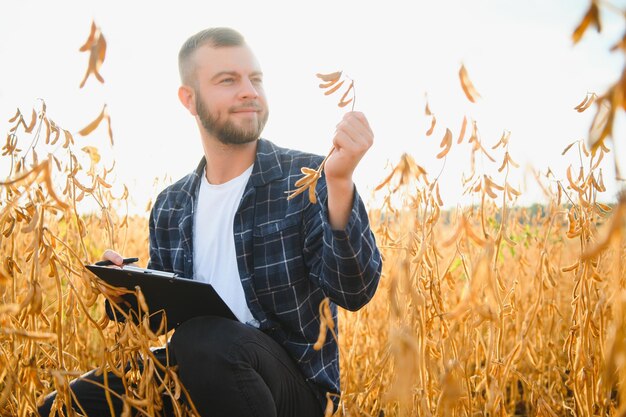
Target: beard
[(228, 132)]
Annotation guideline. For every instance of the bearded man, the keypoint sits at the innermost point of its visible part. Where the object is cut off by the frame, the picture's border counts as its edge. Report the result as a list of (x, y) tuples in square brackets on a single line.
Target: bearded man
[(273, 261)]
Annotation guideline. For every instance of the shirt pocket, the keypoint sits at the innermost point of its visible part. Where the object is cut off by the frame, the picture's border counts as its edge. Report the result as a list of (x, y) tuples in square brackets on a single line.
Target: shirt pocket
[(277, 250), (294, 311)]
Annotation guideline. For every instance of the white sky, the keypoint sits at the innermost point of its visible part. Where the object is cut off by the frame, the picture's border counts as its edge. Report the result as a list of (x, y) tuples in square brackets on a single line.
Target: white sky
[(519, 55)]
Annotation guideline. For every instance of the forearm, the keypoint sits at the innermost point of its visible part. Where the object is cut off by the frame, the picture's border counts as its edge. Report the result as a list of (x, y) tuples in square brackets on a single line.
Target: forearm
[(346, 261), (352, 139), (340, 200)]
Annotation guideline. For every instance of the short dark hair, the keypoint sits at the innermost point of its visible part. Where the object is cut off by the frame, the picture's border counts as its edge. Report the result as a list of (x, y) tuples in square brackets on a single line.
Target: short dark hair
[(216, 37)]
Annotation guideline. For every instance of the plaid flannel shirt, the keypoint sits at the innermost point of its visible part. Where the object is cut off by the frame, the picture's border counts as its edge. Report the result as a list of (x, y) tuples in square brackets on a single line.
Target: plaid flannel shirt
[(289, 258)]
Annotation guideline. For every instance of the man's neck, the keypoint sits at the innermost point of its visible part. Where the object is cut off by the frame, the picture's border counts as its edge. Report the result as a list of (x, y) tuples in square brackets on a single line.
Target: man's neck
[(225, 162)]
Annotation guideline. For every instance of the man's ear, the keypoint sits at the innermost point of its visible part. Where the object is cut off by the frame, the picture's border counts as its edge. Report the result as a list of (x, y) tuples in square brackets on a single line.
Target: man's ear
[(187, 97)]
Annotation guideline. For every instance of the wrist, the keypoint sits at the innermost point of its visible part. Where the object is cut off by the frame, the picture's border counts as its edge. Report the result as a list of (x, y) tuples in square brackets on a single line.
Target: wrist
[(340, 197), (339, 184)]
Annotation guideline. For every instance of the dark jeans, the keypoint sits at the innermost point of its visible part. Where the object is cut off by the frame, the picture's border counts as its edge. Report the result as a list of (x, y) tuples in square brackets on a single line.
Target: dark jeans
[(229, 369)]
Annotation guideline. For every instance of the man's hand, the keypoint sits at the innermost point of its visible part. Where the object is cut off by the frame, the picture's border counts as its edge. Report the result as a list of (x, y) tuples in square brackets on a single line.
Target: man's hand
[(114, 294), (353, 137), (116, 258), (352, 140)]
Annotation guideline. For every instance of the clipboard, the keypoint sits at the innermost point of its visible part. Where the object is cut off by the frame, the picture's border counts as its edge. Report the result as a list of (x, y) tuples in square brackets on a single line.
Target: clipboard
[(180, 298)]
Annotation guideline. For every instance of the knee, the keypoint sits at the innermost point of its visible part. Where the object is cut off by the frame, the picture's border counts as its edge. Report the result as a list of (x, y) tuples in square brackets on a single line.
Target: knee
[(44, 409), (205, 340)]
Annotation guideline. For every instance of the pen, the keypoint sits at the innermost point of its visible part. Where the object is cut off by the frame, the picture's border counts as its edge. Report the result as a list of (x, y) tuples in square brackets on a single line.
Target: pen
[(124, 261)]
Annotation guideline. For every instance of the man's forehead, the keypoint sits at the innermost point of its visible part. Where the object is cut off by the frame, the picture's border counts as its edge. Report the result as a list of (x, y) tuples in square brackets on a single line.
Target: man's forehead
[(226, 59)]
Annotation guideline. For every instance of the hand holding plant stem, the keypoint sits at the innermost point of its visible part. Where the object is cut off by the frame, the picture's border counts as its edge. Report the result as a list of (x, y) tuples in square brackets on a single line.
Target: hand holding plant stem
[(309, 181)]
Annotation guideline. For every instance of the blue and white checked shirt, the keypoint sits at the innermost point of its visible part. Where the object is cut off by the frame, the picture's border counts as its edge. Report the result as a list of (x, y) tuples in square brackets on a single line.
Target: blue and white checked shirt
[(288, 256)]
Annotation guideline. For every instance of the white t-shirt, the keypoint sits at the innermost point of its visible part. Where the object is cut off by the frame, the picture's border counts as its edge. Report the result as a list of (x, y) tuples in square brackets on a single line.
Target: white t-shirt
[(214, 256)]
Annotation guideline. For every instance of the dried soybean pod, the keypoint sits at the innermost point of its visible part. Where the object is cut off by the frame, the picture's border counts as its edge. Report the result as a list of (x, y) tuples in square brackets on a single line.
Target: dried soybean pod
[(328, 315), (141, 299), (330, 407), (335, 88), (343, 102), (321, 339), (334, 76)]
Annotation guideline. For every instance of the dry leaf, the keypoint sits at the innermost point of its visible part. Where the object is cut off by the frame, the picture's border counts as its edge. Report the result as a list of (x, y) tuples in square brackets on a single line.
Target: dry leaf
[(69, 139), (600, 158), (110, 131), (406, 170), (93, 153), (620, 45), (125, 193), (14, 118), (512, 191), (47, 123), (592, 16), (602, 125), (446, 143), (311, 176), (332, 77), (54, 129), (332, 82), (94, 124), (438, 195), (490, 184), (103, 182), (612, 230), (467, 86), (432, 126), (568, 147), (504, 140), (309, 181), (570, 178), (330, 406), (335, 88), (56, 161), (586, 103), (584, 149), (33, 122), (463, 127), (474, 137), (90, 40), (342, 101), (506, 161), (96, 45)]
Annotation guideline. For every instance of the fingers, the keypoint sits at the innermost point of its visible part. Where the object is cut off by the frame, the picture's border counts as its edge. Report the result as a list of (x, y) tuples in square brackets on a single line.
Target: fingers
[(357, 118), (114, 294), (110, 255), (354, 133), (353, 137)]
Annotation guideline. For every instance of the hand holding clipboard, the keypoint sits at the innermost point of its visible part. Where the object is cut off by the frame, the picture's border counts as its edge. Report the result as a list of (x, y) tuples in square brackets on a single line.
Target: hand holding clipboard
[(109, 262), (165, 292), (114, 259)]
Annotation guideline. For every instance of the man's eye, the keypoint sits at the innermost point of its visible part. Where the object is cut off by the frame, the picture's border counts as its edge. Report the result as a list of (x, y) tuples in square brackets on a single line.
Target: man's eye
[(227, 81), (257, 80)]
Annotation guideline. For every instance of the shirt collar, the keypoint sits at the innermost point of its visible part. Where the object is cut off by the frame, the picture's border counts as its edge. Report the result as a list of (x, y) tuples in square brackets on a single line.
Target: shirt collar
[(266, 167)]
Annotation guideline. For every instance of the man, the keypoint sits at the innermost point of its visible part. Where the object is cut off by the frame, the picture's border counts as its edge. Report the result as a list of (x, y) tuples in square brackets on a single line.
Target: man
[(273, 261)]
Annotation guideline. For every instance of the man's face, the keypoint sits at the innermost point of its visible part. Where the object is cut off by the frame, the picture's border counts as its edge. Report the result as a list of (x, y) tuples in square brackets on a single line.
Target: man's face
[(230, 100)]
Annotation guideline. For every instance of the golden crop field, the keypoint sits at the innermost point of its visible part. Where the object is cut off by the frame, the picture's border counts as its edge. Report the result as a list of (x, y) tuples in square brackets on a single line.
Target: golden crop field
[(491, 309)]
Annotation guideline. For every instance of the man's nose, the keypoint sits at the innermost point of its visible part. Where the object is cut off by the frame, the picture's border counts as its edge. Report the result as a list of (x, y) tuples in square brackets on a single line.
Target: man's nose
[(248, 90)]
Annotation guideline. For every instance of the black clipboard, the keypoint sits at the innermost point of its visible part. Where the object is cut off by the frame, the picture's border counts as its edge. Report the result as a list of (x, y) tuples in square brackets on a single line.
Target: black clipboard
[(180, 298)]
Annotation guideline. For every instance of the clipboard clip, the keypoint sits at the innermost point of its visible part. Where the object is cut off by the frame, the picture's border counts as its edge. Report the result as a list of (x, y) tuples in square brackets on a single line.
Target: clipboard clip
[(149, 271)]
